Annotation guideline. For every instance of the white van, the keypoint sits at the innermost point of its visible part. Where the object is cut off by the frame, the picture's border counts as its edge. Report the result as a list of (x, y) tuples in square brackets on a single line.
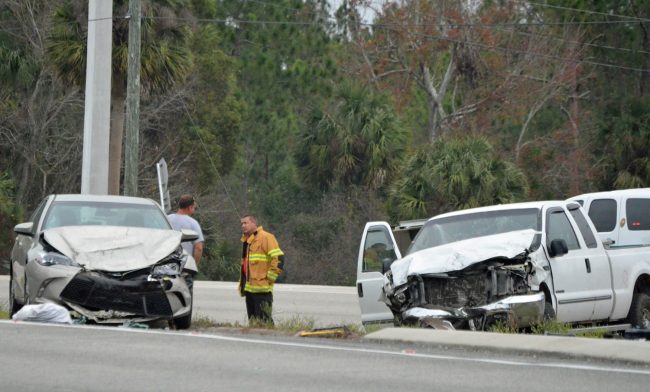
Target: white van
[(622, 217)]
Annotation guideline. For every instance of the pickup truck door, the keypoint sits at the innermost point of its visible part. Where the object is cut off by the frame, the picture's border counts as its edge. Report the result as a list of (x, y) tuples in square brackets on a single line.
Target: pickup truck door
[(571, 281), (378, 248), (596, 263)]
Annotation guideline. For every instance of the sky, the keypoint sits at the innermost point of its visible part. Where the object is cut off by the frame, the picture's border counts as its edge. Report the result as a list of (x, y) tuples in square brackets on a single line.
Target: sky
[(366, 13)]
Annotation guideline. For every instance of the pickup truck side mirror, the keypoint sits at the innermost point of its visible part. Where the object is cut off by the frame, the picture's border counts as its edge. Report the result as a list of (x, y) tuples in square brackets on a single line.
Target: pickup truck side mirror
[(558, 248)]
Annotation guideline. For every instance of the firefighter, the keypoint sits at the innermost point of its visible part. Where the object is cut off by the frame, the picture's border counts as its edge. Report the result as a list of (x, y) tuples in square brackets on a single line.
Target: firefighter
[(262, 262)]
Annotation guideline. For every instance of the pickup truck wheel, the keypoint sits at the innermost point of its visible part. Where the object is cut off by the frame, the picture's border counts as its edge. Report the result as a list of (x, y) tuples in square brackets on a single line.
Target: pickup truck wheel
[(639, 315), (549, 312)]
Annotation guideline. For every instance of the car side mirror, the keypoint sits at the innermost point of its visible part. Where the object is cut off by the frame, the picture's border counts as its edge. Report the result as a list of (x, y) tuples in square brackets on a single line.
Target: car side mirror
[(188, 235), (558, 248), (25, 228)]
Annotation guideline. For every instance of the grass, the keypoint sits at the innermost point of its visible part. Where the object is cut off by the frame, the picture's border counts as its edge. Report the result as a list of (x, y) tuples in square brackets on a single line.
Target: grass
[(503, 327), (4, 311), (548, 327), (292, 325), (552, 327), (297, 324)]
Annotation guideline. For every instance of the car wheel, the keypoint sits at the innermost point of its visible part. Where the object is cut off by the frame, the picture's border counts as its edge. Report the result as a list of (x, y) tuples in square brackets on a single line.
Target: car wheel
[(639, 315), (184, 322), (13, 305)]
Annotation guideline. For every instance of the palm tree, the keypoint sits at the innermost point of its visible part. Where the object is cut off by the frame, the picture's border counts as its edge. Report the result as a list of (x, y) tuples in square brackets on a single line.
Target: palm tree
[(453, 174), (356, 142), (165, 59)]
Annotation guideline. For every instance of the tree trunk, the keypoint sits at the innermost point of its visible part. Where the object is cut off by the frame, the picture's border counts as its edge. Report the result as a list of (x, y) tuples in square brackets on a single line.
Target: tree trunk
[(21, 189), (644, 84), (118, 97), (574, 184)]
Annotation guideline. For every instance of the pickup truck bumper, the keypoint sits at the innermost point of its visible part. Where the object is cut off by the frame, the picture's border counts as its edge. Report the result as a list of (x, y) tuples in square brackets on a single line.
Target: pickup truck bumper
[(518, 311)]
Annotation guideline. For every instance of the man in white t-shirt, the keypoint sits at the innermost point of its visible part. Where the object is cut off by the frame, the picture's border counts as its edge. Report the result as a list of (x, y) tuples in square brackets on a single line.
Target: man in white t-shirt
[(182, 219)]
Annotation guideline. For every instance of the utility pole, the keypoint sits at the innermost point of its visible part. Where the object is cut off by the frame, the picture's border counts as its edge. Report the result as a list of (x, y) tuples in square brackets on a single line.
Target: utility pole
[(97, 114), (132, 143)]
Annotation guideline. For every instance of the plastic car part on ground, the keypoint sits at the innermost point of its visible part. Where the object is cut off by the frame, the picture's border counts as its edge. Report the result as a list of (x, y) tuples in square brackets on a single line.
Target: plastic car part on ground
[(326, 332), (43, 313)]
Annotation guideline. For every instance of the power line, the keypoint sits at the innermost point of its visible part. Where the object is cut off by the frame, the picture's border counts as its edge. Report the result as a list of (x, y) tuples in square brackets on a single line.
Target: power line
[(590, 12), (392, 28), (560, 39), (502, 49), (214, 167), (233, 21)]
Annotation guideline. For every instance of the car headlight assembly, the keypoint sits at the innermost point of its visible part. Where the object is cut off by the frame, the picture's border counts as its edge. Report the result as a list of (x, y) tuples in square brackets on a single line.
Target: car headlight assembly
[(172, 268), (52, 258)]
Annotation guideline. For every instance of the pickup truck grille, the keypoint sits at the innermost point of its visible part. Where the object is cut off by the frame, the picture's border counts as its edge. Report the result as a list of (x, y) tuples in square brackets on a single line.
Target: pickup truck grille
[(455, 292), (471, 290)]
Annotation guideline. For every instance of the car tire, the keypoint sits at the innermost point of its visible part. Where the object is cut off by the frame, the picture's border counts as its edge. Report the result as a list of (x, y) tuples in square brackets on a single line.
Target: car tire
[(185, 322), (639, 315), (13, 305)]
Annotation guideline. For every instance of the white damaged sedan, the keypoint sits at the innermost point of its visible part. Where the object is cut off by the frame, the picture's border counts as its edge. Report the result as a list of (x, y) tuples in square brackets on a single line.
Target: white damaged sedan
[(110, 259)]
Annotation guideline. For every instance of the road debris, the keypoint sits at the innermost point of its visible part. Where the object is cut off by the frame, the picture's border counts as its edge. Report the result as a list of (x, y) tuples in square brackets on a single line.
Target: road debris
[(329, 332)]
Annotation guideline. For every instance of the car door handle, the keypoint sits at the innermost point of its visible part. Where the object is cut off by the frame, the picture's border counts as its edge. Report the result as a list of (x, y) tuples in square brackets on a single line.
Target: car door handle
[(360, 290), (588, 265)]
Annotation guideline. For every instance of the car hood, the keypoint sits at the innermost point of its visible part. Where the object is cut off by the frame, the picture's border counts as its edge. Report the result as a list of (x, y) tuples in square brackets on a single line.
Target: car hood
[(459, 255), (113, 248)]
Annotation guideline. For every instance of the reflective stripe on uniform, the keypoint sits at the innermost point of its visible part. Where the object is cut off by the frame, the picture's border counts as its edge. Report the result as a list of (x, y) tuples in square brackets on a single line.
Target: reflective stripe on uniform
[(257, 257), (257, 289), (275, 252)]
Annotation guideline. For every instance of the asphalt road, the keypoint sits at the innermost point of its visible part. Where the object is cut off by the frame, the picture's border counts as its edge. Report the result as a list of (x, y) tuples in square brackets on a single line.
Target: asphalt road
[(35, 357), (220, 301)]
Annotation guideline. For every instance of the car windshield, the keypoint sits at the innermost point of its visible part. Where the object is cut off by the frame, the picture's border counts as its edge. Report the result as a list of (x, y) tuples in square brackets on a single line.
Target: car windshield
[(442, 231), (87, 213)]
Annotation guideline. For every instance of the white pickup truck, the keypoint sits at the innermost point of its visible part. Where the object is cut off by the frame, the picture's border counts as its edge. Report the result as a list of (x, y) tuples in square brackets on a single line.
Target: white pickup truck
[(513, 263)]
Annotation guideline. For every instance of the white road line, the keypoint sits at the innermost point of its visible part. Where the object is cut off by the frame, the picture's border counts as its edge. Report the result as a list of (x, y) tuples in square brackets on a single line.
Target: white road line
[(356, 349)]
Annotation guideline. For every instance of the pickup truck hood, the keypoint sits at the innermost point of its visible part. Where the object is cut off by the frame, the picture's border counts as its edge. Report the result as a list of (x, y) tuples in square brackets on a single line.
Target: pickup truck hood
[(459, 255), (113, 248)]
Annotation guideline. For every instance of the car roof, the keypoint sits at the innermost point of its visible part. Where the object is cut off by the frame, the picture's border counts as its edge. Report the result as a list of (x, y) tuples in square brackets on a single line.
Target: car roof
[(614, 193), (531, 204), (103, 198)]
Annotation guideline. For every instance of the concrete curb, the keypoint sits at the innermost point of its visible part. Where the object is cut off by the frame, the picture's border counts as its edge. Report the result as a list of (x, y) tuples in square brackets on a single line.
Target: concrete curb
[(560, 346)]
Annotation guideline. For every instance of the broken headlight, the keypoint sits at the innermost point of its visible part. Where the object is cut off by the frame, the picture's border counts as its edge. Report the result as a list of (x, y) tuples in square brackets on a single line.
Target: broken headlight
[(171, 265), (52, 258), (167, 268)]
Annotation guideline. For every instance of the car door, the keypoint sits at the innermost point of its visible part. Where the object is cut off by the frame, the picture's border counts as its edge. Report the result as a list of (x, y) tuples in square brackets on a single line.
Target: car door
[(571, 283), (21, 247), (377, 249)]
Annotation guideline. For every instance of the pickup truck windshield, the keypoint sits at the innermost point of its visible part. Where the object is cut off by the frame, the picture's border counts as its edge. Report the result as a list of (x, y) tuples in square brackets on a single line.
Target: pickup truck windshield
[(442, 231)]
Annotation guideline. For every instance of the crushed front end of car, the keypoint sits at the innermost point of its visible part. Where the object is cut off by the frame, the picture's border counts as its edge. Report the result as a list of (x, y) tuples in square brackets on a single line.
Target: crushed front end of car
[(464, 286), (113, 275)]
